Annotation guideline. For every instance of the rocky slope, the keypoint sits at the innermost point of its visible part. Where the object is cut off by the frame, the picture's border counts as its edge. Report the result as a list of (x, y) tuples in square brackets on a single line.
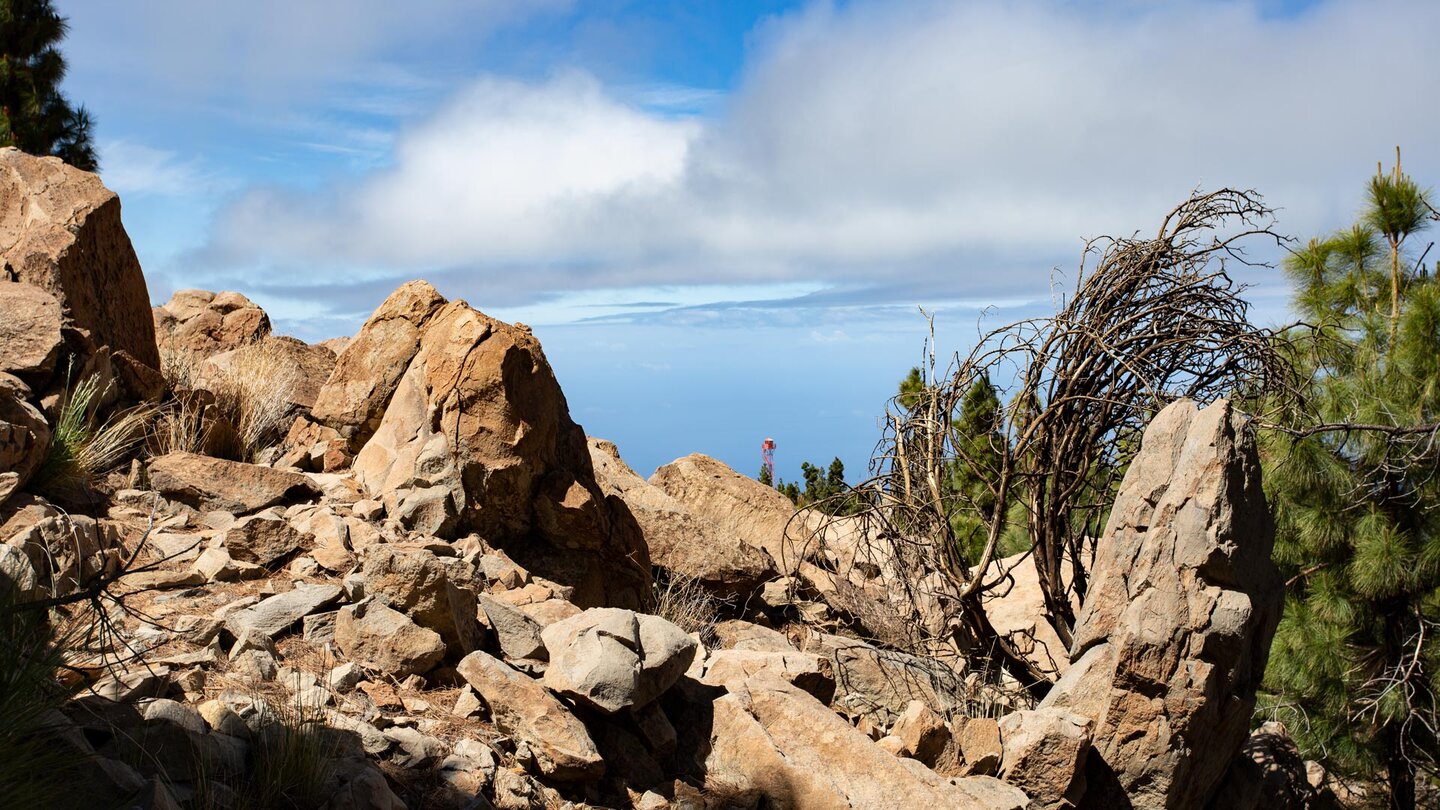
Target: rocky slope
[(434, 568)]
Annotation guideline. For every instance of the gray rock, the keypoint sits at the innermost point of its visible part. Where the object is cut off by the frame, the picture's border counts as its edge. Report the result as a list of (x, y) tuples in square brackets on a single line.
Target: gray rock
[(279, 613), (1183, 603), (614, 659), (518, 634)]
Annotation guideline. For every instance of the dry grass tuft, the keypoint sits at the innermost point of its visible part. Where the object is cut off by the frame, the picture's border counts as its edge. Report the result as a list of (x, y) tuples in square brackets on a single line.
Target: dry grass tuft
[(682, 601), (81, 451), (253, 392)]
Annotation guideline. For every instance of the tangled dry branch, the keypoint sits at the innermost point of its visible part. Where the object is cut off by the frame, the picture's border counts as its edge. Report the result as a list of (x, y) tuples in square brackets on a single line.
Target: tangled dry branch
[(1149, 320)]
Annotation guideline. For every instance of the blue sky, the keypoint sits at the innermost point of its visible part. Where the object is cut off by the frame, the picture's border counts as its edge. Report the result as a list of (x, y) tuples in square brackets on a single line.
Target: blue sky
[(720, 218)]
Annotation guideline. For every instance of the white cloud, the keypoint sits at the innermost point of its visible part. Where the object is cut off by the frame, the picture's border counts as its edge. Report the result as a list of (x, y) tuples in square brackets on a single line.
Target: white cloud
[(134, 169), (959, 146)]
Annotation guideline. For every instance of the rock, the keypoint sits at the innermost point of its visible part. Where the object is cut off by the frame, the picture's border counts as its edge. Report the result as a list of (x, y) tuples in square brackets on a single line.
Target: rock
[(788, 748), (878, 684), (1043, 753), (413, 749), (344, 677), (361, 786), (521, 707), (171, 711), (980, 747), (62, 233), (279, 613), (923, 731), (203, 323), (354, 398), (1017, 611), (216, 565), (212, 483), (614, 659), (735, 634), (24, 433), (679, 541), (428, 589), (470, 768), (264, 539), (518, 634), (804, 670), (30, 321), (548, 611), (1172, 641), (736, 505), (477, 437), (18, 580), (1269, 774), (386, 641)]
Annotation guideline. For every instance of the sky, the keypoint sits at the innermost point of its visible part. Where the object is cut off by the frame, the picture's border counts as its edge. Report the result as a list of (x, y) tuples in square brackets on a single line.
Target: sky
[(724, 219)]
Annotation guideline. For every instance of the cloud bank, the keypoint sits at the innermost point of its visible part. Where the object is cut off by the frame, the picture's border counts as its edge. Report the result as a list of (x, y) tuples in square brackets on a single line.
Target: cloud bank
[(889, 149)]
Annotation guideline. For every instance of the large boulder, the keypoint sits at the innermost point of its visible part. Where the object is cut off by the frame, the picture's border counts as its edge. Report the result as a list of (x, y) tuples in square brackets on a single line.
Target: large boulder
[(614, 659), (1044, 752), (521, 707), (202, 323), (680, 541), (212, 483), (30, 323), (61, 231), (776, 743), (738, 506), (1172, 641), (477, 437), (368, 368)]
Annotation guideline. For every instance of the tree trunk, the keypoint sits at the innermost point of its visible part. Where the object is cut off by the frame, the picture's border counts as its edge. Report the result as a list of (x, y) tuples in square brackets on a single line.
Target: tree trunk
[(1401, 771)]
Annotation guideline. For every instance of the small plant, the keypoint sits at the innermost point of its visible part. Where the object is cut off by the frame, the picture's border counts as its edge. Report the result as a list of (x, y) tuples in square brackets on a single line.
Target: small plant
[(253, 390), (290, 764), (684, 602), (80, 451)]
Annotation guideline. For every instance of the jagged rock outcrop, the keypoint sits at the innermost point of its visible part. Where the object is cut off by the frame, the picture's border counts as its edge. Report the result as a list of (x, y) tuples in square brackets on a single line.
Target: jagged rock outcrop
[(60, 230), (204, 323), (679, 540), (477, 436), (1172, 641), (369, 367)]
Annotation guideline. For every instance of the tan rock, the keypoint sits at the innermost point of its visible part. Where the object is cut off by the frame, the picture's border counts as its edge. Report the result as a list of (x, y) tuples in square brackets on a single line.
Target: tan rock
[(735, 634), (62, 233), (274, 616), (368, 369), (878, 683), (924, 732), (614, 659), (212, 483), (1172, 641), (522, 708), (202, 323), (736, 505), (980, 746), (805, 670), (24, 433), (386, 641), (477, 437), (429, 589), (680, 541), (518, 634), (1043, 753), (265, 539), (30, 321), (789, 748)]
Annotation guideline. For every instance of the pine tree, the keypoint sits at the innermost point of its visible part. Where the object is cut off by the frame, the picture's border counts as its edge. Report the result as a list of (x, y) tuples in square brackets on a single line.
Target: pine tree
[(1355, 665), (764, 477), (34, 115)]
